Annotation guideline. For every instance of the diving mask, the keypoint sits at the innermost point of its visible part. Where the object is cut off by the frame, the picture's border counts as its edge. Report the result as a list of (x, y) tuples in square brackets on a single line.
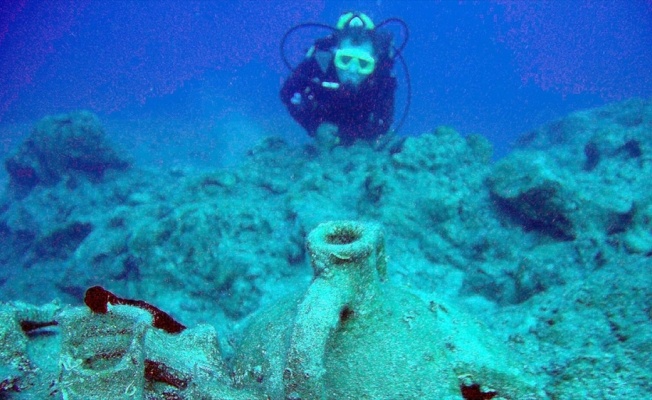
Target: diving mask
[(346, 58)]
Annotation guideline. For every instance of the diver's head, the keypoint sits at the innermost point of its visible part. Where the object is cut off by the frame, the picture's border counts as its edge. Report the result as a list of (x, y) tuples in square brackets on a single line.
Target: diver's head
[(355, 57), (355, 20), (354, 62)]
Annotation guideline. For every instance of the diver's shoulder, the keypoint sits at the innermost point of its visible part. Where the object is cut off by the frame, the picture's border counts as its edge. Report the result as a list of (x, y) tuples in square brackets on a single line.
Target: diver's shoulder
[(326, 43)]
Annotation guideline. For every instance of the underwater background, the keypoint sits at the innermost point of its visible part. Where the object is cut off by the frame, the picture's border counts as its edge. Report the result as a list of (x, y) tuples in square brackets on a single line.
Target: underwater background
[(496, 68), (145, 149)]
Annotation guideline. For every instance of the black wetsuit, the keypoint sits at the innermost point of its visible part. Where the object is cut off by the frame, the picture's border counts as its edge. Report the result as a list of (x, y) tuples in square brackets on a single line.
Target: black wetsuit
[(365, 113)]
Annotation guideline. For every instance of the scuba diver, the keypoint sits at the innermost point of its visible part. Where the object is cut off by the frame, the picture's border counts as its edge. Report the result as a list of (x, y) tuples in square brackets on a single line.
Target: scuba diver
[(344, 89)]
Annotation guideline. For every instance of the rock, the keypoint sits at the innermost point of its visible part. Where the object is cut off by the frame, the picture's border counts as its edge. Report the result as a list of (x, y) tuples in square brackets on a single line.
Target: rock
[(63, 146), (530, 190)]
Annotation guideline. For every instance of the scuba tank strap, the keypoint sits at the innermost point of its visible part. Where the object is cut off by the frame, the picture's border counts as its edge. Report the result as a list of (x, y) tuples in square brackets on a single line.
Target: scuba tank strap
[(322, 51)]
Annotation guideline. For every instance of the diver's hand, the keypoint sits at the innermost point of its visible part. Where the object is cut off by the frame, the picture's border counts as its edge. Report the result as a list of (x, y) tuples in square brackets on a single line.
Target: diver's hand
[(296, 99), (326, 136)]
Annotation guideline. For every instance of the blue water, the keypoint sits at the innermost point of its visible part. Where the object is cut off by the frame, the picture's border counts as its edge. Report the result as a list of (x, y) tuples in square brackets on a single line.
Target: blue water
[(496, 68)]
